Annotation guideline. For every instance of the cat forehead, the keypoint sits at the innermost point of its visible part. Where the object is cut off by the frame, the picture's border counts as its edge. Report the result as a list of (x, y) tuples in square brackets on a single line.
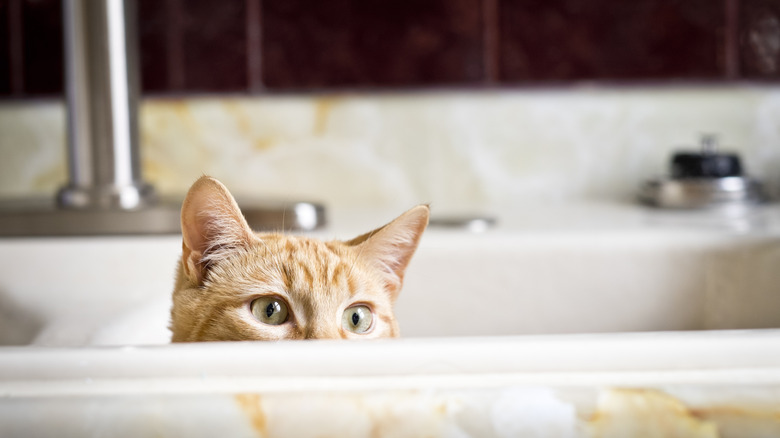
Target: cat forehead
[(300, 246), (287, 262), (298, 263)]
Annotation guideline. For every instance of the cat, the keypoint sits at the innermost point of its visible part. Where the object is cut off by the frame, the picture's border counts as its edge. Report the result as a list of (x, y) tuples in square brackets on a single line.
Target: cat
[(233, 284)]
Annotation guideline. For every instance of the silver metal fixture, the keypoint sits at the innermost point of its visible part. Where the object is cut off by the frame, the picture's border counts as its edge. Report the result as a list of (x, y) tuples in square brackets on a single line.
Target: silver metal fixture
[(105, 193), (102, 93), (474, 224), (701, 193), (705, 179), (42, 218)]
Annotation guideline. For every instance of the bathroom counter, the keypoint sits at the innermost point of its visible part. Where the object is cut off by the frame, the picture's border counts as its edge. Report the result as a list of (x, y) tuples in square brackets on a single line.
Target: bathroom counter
[(590, 320), (700, 384)]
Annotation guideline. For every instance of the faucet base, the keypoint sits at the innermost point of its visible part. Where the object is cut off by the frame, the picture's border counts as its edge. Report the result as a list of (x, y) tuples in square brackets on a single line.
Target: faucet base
[(129, 197), (42, 218)]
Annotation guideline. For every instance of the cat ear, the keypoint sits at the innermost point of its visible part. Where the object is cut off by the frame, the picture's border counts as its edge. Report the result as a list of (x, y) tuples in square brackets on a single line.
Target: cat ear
[(390, 248), (211, 225)]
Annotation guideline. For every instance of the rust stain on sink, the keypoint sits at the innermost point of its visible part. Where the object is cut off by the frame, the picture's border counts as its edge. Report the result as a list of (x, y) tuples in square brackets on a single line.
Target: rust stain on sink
[(252, 406)]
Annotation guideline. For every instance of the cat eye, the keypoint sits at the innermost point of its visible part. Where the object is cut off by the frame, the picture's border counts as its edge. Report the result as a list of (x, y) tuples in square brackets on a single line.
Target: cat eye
[(270, 310), (357, 319)]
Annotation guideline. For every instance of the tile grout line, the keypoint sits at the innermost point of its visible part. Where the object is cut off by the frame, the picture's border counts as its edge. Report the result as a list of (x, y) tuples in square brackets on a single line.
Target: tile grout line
[(490, 41), (254, 45), (731, 39), (16, 47), (174, 43)]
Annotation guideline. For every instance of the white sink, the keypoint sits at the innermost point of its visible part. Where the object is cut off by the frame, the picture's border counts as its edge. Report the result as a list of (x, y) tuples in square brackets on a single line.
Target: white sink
[(467, 367), (573, 269)]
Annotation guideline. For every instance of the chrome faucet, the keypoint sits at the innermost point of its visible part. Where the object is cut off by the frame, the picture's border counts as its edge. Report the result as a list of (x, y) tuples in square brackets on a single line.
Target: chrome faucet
[(101, 78), (105, 192)]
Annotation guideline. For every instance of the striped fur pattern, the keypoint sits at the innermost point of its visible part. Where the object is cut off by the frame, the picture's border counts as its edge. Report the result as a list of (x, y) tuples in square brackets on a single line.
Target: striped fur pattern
[(225, 266)]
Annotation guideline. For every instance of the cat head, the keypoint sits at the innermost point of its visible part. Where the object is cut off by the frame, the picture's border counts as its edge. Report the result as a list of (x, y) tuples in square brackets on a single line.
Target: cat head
[(234, 284)]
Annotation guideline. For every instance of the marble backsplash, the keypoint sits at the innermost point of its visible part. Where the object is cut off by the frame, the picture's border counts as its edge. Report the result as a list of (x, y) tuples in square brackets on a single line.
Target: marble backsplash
[(459, 150)]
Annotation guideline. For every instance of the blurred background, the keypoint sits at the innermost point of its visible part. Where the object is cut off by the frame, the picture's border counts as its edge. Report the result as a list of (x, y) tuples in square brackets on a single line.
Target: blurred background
[(462, 103)]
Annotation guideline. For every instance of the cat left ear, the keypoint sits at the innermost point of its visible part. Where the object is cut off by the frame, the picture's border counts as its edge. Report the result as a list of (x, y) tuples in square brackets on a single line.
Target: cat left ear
[(211, 225), (391, 247)]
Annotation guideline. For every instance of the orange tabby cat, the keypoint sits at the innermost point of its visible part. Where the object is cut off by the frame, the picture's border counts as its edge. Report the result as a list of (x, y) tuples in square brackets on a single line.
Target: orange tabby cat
[(234, 284)]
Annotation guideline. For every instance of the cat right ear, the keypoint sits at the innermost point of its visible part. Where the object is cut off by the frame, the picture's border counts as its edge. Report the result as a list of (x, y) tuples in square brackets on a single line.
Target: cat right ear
[(211, 225), (390, 248)]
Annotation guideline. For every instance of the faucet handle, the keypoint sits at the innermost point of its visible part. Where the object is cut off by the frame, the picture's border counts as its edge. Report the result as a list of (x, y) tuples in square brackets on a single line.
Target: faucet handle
[(708, 162), (709, 144)]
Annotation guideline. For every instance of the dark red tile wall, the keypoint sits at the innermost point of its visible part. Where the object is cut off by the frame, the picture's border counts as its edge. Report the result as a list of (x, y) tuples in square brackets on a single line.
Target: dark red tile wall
[(214, 45), (356, 43), (42, 47), (610, 39), (202, 46), (155, 18), (193, 46), (5, 50), (759, 38)]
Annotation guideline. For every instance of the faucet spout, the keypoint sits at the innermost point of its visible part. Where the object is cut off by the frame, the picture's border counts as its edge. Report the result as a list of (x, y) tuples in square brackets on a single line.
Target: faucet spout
[(105, 193), (101, 77)]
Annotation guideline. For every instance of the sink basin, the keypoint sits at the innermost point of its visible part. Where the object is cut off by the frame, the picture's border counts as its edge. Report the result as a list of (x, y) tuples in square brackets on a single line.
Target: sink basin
[(596, 270), (528, 326)]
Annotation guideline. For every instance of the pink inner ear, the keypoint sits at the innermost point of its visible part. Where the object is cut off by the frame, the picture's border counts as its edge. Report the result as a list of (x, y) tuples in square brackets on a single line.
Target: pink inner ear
[(391, 247), (211, 225), (199, 218)]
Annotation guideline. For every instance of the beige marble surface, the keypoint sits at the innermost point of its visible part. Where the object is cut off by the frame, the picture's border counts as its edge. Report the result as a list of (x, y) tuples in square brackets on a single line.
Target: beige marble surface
[(604, 386), (457, 150)]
